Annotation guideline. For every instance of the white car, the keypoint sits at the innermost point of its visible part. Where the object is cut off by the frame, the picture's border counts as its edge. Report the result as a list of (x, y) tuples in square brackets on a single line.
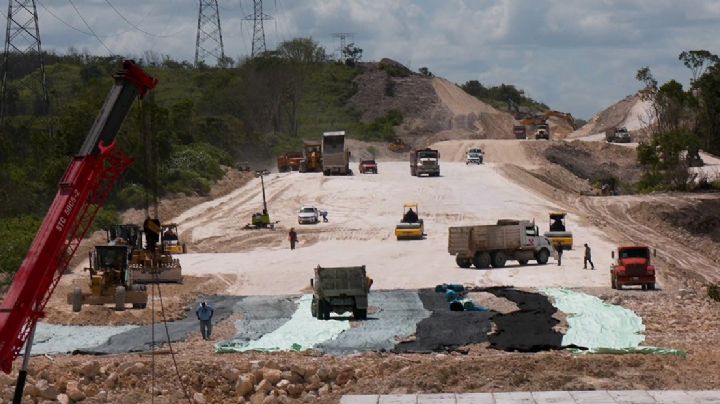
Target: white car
[(308, 215)]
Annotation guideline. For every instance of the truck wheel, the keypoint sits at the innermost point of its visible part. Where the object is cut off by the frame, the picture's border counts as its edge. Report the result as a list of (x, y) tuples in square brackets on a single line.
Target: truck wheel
[(120, 298), (498, 259), (542, 257), (320, 310), (463, 262), (651, 286), (77, 300), (523, 262), (481, 260), (314, 307), (139, 288), (326, 312), (360, 314)]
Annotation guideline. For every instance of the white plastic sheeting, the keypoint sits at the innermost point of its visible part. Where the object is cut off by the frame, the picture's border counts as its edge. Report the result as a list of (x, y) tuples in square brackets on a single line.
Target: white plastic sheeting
[(301, 332), (601, 327), (53, 338)]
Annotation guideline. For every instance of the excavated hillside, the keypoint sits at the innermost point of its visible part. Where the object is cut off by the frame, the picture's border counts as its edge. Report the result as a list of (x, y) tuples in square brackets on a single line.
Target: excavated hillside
[(433, 108), (631, 112)]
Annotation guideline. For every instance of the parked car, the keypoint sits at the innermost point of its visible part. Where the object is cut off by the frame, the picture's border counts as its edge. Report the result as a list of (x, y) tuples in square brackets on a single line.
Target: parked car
[(367, 166), (308, 215)]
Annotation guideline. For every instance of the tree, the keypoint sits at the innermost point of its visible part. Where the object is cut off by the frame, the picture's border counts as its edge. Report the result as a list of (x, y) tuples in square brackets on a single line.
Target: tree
[(426, 72), (352, 54), (302, 51), (698, 61)]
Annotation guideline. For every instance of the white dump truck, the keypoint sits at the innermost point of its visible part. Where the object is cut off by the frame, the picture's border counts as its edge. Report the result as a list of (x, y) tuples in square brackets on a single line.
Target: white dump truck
[(493, 245)]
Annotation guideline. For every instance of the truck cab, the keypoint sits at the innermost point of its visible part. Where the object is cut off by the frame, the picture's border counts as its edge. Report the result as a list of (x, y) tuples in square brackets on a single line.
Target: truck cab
[(474, 156), (368, 166), (542, 131), (632, 267), (425, 161)]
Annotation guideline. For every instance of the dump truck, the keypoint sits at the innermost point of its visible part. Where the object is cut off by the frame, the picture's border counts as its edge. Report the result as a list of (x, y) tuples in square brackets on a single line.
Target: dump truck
[(290, 161), (617, 135), (632, 267), (336, 159), (425, 161), (312, 157), (520, 131), (492, 245), (558, 234), (411, 226), (542, 131), (340, 290)]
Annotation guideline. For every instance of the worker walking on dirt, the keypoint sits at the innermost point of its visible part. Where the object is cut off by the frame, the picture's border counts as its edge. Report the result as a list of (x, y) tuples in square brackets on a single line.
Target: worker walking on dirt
[(205, 313), (588, 258), (323, 213), (292, 236), (559, 249)]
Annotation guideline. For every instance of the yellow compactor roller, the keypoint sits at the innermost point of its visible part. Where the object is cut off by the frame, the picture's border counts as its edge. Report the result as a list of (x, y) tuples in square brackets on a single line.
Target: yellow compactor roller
[(411, 226)]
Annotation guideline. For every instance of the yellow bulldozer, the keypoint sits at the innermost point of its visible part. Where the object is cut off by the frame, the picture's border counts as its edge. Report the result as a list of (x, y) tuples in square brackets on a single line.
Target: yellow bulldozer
[(411, 226)]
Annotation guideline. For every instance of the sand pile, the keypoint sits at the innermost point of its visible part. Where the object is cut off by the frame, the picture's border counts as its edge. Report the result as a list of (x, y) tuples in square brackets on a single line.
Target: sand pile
[(632, 112), (433, 108)]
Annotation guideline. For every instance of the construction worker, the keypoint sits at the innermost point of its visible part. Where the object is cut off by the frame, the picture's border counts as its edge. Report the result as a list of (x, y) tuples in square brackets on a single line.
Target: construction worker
[(292, 236), (559, 249), (323, 213), (588, 258), (205, 313)]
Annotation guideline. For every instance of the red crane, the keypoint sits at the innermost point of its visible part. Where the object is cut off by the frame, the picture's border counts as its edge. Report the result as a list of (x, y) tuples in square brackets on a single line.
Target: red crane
[(82, 192)]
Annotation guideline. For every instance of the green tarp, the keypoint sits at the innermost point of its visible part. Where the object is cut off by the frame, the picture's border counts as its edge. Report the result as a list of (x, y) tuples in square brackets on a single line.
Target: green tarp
[(601, 327)]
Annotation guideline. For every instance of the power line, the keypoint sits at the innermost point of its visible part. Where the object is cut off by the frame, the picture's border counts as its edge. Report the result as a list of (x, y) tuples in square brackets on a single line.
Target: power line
[(138, 28), (61, 20), (90, 28)]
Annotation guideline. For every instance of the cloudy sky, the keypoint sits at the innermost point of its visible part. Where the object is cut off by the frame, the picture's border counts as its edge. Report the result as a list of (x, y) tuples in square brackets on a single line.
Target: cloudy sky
[(576, 56)]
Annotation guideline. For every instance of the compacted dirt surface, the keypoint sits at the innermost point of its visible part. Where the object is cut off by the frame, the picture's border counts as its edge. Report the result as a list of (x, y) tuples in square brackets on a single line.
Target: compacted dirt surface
[(520, 180)]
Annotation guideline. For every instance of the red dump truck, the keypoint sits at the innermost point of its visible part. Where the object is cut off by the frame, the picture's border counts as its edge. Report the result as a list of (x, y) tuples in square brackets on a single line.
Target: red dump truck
[(632, 267)]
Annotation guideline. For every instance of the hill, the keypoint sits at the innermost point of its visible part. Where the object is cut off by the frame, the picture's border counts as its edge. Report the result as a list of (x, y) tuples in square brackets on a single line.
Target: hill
[(432, 108), (632, 112)]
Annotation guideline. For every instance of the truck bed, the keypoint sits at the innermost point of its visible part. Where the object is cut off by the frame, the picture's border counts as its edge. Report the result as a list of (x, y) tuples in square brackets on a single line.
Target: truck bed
[(339, 281), (468, 239)]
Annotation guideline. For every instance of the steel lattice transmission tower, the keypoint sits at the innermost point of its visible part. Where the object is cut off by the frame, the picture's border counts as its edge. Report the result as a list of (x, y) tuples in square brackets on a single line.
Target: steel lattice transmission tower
[(257, 17), (209, 35), (22, 39), (343, 36)]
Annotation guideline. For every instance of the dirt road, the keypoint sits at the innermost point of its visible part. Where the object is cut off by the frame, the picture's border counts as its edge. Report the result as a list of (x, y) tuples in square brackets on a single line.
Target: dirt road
[(363, 210)]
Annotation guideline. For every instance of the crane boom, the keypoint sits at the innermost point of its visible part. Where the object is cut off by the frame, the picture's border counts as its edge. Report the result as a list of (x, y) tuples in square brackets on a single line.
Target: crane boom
[(83, 190)]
